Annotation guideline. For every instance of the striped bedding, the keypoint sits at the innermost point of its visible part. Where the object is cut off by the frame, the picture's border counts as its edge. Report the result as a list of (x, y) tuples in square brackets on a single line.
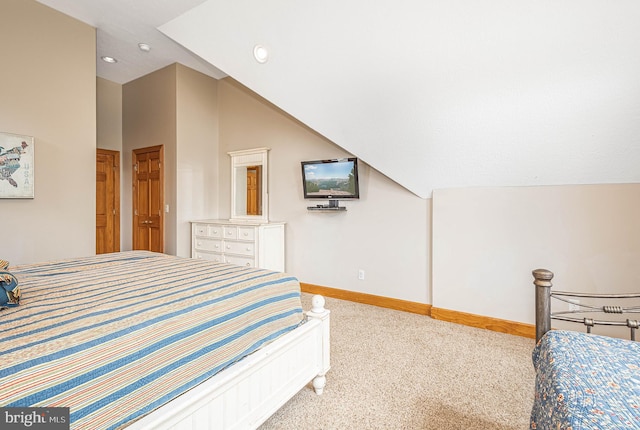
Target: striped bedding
[(115, 336)]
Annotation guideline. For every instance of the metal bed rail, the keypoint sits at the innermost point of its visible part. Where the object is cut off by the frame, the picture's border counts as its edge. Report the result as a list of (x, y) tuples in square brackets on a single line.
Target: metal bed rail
[(544, 315)]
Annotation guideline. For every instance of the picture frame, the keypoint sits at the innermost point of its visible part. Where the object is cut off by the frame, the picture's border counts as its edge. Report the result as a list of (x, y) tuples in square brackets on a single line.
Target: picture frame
[(17, 166)]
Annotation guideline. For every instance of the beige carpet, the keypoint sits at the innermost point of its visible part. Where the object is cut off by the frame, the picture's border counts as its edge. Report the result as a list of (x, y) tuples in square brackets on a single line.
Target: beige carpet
[(397, 370)]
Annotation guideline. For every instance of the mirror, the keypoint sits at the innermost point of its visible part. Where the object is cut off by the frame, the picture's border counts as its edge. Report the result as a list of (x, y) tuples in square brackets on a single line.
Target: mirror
[(249, 185)]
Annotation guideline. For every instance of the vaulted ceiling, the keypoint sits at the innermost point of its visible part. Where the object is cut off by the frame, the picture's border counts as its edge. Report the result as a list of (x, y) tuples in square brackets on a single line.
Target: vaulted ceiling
[(431, 93)]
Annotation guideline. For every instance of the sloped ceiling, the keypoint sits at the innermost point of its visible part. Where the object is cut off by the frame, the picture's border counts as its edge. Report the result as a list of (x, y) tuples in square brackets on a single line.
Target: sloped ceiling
[(433, 94), (444, 93)]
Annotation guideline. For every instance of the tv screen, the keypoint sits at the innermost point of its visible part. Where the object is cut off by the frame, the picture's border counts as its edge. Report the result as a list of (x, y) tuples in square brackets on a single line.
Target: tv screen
[(331, 179)]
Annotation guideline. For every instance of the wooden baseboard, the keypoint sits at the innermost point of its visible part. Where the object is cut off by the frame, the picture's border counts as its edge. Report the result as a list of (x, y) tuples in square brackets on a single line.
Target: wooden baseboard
[(489, 323), (368, 299), (479, 321)]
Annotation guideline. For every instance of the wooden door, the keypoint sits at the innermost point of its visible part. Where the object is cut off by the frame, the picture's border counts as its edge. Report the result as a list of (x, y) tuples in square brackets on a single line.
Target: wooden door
[(107, 201), (148, 199), (254, 190)]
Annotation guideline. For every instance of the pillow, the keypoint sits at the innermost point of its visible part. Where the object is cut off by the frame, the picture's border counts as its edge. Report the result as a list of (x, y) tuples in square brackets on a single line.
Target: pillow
[(9, 290), (4, 264)]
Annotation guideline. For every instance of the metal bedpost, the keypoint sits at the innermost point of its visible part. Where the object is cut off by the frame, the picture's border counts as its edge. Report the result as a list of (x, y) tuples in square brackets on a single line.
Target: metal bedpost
[(543, 301)]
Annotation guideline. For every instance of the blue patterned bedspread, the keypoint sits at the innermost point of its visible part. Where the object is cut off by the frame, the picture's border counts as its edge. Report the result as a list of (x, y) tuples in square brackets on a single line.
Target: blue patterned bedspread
[(115, 336), (586, 381)]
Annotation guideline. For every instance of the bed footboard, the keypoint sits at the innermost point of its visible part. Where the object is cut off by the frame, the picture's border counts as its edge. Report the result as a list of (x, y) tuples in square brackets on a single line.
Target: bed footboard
[(244, 395), (583, 313)]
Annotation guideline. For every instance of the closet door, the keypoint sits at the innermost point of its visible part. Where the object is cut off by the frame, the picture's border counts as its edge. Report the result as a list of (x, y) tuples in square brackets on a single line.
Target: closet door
[(148, 199), (107, 201)]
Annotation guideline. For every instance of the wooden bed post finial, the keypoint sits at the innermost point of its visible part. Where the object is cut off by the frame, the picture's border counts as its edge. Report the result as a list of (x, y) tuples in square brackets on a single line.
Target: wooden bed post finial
[(542, 281)]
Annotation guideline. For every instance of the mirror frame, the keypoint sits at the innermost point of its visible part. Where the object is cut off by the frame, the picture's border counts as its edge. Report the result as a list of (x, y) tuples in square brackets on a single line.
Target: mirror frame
[(245, 158)]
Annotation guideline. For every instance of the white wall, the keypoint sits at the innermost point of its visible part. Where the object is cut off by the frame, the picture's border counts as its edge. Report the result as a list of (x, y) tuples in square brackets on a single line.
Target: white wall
[(196, 153), (48, 91), (385, 232), (109, 124), (109, 115), (488, 240)]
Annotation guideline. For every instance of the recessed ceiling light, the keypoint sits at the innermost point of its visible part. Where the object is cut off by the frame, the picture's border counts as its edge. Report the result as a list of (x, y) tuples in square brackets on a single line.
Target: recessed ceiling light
[(260, 53), (144, 47), (109, 59)]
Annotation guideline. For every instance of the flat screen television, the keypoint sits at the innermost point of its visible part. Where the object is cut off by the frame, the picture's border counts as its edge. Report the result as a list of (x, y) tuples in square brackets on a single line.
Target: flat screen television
[(334, 180)]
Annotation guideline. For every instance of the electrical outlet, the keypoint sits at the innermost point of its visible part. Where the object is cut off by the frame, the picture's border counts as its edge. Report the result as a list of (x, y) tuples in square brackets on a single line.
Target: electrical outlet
[(361, 274), (574, 305)]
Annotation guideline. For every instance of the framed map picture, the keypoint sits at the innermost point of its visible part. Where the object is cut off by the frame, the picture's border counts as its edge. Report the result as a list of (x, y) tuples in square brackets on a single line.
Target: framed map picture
[(16, 166)]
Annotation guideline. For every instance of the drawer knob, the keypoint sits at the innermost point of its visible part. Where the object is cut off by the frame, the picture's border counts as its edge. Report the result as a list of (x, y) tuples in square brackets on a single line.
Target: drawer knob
[(248, 249), (228, 246)]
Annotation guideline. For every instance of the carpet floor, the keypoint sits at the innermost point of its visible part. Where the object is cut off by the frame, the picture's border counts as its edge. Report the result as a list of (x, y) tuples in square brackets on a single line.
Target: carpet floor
[(398, 370)]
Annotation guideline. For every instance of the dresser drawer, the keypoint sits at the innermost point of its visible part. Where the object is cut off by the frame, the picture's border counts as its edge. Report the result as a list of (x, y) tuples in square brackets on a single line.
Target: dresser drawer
[(241, 248), (246, 233), (240, 261), (216, 258), (215, 231), (204, 244), (230, 232), (201, 229), (205, 230)]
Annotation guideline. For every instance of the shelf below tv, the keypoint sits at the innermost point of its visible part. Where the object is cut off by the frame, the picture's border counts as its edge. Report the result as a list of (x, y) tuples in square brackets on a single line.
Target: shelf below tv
[(327, 208), (332, 206)]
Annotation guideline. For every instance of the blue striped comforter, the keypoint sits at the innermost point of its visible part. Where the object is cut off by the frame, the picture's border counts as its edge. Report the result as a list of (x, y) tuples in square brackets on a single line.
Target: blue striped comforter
[(115, 336)]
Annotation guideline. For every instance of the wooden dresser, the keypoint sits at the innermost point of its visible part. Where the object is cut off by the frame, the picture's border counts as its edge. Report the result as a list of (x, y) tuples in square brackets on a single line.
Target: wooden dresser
[(251, 244)]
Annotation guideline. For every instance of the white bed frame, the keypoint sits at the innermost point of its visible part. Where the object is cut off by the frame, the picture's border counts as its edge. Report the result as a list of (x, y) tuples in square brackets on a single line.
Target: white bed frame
[(244, 395)]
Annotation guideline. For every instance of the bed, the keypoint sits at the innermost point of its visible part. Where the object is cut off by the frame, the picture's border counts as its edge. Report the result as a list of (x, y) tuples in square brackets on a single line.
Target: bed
[(584, 380), (143, 340)]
